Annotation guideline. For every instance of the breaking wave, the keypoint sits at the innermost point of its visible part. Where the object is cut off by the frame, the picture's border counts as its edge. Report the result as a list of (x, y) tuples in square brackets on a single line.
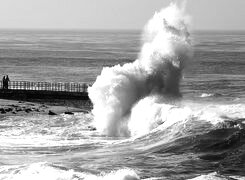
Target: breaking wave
[(149, 85)]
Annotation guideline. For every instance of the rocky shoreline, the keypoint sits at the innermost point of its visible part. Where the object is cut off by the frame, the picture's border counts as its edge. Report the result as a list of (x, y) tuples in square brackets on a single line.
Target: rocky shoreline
[(12, 108)]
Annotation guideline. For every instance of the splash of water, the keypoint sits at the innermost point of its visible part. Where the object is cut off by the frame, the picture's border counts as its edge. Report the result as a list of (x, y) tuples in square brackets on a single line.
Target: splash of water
[(157, 72)]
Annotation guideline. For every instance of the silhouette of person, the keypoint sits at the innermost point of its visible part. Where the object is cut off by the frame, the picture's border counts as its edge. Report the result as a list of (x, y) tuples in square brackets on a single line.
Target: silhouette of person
[(7, 82), (3, 82)]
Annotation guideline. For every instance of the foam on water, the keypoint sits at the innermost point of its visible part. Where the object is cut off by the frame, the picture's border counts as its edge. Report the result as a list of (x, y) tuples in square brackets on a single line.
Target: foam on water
[(167, 122), (47, 131), (46, 171), (216, 176)]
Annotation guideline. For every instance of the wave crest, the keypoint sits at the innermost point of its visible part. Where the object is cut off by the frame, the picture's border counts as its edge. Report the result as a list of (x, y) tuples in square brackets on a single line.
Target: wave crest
[(157, 71)]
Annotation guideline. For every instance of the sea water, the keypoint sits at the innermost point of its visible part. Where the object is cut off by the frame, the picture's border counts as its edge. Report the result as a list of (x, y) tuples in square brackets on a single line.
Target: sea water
[(199, 135)]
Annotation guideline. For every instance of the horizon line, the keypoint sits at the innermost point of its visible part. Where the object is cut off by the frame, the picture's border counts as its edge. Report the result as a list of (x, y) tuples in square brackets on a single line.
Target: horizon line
[(112, 29)]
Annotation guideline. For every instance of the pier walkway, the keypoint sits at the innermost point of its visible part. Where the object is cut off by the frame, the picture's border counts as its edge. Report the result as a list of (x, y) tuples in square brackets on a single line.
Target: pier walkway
[(24, 90)]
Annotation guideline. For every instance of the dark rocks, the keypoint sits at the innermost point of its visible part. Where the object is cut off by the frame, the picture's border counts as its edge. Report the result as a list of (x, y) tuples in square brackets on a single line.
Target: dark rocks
[(2, 111), (18, 109), (8, 109), (43, 106), (28, 110), (68, 112), (51, 113), (37, 110), (91, 128)]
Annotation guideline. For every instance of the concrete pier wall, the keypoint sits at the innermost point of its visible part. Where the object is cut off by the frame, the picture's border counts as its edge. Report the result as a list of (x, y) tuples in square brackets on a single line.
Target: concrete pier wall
[(39, 94), (70, 94)]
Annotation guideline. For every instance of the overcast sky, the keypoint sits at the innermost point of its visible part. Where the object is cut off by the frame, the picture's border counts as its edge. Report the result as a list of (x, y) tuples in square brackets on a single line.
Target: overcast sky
[(115, 14)]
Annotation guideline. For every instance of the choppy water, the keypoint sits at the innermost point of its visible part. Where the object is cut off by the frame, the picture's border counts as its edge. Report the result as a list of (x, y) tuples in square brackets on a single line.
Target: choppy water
[(203, 135)]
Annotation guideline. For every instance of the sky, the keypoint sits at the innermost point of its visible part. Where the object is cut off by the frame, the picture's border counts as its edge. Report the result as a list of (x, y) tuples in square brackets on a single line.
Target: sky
[(115, 14)]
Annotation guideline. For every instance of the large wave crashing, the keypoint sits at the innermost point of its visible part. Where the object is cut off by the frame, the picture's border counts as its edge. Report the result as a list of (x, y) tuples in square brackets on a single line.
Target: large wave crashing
[(123, 95)]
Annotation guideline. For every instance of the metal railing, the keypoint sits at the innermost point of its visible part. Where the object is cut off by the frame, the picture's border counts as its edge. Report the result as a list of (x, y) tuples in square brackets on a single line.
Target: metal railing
[(47, 86)]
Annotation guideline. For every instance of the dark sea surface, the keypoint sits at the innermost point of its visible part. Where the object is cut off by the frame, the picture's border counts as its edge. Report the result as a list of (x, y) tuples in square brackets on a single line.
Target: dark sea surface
[(204, 138)]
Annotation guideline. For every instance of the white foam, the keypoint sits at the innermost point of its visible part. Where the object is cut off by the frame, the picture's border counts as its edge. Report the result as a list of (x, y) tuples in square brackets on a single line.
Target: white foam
[(45, 131), (37, 171), (216, 176), (207, 95), (155, 115), (157, 71), (216, 113), (43, 170)]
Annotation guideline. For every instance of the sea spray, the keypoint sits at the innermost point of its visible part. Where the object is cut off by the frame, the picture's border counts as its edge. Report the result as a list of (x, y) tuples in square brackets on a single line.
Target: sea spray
[(156, 73)]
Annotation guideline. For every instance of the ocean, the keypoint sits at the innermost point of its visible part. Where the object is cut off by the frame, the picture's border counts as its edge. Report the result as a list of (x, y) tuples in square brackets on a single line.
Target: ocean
[(201, 136)]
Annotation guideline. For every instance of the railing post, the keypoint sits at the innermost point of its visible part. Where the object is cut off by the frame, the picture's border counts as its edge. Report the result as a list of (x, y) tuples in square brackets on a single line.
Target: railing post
[(47, 86)]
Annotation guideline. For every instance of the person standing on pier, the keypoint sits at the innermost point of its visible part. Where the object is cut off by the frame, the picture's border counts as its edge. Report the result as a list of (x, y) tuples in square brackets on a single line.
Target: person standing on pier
[(7, 82), (3, 82)]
